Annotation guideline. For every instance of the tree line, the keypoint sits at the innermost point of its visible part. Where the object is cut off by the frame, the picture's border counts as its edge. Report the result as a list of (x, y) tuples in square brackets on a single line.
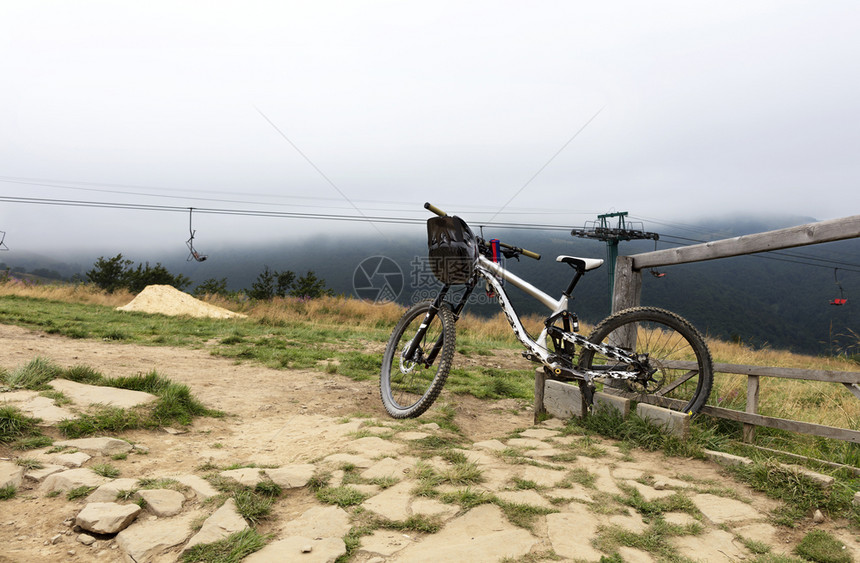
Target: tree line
[(112, 274)]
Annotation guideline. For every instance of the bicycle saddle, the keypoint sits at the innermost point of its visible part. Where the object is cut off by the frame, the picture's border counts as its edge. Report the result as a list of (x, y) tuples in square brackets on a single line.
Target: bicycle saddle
[(584, 264)]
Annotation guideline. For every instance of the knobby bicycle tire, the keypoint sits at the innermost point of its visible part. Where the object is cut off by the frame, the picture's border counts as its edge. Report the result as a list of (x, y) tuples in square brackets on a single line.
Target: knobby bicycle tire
[(676, 350), (407, 388)]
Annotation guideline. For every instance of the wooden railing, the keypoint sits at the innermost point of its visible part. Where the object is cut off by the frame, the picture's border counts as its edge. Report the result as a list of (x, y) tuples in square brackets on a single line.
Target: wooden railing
[(628, 291)]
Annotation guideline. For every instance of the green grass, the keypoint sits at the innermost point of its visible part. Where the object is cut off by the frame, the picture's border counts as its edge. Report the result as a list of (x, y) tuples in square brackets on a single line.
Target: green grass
[(656, 539), (522, 515), (34, 375), (29, 464), (7, 492), (252, 506), (821, 547), (233, 548), (800, 494), (105, 470), (175, 405), (342, 496), (79, 492), (15, 425)]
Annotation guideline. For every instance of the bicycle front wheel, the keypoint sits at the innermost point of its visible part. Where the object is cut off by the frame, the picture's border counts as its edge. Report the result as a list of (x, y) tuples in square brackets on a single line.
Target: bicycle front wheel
[(409, 385), (675, 354)]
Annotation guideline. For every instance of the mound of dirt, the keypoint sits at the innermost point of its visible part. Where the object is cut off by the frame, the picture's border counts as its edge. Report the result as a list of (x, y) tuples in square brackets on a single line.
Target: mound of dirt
[(168, 300)]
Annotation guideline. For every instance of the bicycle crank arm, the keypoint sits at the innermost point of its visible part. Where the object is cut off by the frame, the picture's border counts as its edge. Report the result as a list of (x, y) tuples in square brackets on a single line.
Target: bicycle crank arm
[(589, 375)]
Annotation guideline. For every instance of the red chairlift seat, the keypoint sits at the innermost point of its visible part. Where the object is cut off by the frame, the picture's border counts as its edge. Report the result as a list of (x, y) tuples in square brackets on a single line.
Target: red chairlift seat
[(839, 301)]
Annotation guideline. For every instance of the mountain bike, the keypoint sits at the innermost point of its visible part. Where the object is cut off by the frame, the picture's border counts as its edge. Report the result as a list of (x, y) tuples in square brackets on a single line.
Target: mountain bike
[(646, 353)]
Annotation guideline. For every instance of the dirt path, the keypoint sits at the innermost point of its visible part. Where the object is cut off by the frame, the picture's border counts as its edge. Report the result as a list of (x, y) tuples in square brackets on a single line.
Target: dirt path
[(284, 418)]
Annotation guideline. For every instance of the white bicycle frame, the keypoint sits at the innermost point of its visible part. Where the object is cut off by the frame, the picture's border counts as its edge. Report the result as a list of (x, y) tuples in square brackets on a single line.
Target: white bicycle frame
[(494, 273)]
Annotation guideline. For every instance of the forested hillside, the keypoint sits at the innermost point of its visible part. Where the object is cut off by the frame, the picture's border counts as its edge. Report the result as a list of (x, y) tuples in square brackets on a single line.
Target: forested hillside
[(781, 300)]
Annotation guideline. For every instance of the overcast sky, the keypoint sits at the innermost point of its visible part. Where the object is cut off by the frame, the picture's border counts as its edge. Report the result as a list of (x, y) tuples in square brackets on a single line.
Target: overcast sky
[(672, 111)]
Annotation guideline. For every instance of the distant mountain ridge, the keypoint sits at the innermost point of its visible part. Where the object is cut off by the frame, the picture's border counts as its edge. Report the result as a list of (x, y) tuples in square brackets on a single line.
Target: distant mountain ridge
[(777, 300)]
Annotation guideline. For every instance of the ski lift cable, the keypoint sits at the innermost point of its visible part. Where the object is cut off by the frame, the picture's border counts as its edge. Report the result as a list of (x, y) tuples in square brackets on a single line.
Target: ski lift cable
[(848, 267)]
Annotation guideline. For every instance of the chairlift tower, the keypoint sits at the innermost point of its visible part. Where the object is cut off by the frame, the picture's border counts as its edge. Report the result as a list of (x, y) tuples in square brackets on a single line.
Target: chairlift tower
[(623, 230)]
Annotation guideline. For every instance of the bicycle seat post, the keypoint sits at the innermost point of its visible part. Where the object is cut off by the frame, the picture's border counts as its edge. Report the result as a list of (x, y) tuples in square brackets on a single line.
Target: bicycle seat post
[(576, 277)]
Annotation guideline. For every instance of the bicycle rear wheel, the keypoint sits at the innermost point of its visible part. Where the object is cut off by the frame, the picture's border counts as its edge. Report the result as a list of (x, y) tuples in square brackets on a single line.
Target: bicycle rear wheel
[(408, 386), (668, 345)]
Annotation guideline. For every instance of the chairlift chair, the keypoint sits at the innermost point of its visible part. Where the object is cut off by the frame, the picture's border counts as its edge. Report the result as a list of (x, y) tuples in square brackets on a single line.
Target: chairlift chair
[(193, 254), (841, 300)]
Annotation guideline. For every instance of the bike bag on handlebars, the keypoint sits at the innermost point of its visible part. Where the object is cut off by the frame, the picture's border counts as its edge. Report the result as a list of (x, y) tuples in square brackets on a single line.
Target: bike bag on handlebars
[(453, 249)]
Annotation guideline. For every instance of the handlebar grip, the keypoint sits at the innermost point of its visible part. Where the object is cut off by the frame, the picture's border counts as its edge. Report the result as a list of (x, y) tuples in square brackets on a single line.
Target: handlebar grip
[(429, 206), (525, 252)]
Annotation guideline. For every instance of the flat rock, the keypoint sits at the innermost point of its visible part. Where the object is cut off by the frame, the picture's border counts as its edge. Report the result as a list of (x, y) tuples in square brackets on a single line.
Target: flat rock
[(11, 474), (714, 546), (531, 498), (103, 446), (539, 433), (298, 548), (528, 444), (109, 491), (372, 446), (223, 522), (679, 519), (543, 477), (764, 533), (385, 542), (146, 541), (720, 510), (650, 493), (162, 502), (39, 475), (388, 467), (46, 409), (392, 503), (248, 476), (106, 517), (319, 522), (410, 436), (632, 523), (83, 394), (491, 445), (351, 459), (482, 534), (292, 476), (71, 479), (432, 507), (631, 555), (75, 459), (566, 543), (574, 492), (202, 488)]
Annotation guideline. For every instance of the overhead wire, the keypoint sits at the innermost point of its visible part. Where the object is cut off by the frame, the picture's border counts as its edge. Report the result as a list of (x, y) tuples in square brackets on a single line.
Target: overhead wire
[(389, 219)]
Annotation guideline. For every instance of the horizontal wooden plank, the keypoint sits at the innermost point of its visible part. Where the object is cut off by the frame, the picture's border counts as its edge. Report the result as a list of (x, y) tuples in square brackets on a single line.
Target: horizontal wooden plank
[(801, 235), (845, 377), (843, 434)]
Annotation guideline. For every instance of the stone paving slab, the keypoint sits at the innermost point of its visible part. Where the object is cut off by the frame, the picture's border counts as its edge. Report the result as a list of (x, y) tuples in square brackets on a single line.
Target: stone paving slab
[(298, 548), (570, 533), (88, 395), (482, 534), (721, 510)]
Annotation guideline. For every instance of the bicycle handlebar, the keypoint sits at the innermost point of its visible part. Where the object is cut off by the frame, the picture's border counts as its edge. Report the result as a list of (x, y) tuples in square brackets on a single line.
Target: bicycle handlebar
[(523, 251), (433, 209)]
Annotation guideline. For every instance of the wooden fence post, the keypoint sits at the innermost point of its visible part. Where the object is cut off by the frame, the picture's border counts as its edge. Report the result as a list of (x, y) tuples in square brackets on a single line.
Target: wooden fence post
[(628, 285), (752, 407)]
